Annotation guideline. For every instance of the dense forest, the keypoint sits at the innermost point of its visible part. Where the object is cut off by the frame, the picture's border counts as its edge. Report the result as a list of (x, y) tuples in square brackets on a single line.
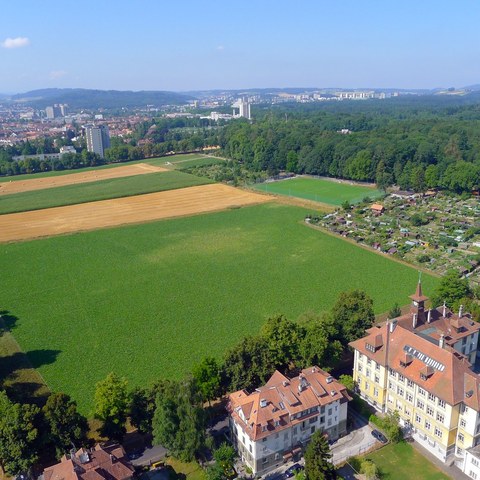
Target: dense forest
[(416, 144)]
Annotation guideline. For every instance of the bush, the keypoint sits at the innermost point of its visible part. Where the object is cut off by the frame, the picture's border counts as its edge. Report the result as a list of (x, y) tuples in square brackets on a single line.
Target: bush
[(423, 258), (390, 426)]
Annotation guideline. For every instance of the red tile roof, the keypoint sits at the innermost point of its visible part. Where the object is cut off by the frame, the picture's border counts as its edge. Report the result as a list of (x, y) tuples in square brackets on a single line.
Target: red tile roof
[(270, 408), (99, 463), (449, 375)]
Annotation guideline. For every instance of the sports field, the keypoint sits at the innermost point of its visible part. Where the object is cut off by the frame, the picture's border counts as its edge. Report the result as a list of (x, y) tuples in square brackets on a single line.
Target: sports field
[(149, 300), (122, 211), (98, 190), (319, 190)]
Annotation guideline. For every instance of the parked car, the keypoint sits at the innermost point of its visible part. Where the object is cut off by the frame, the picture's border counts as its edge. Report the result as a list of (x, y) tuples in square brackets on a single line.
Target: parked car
[(291, 471), (379, 436)]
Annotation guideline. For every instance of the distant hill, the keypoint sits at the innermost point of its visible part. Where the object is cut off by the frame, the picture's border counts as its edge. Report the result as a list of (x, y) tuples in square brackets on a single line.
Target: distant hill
[(473, 88), (78, 98)]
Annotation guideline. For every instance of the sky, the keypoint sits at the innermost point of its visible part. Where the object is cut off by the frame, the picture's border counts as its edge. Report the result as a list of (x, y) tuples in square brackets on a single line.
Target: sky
[(183, 45)]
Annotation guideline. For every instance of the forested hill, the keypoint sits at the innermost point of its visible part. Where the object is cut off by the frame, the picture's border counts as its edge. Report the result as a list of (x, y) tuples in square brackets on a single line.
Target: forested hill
[(418, 143), (77, 98)]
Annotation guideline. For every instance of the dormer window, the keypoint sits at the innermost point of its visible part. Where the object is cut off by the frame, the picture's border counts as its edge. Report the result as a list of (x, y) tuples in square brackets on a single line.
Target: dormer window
[(277, 423), (370, 347)]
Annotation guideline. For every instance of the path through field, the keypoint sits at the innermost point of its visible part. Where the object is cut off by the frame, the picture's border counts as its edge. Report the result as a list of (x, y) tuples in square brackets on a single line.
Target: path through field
[(120, 211)]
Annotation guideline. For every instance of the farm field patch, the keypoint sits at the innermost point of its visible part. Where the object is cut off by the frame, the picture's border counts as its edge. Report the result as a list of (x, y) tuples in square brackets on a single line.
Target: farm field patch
[(7, 188), (319, 190), (121, 211), (100, 190), (150, 300)]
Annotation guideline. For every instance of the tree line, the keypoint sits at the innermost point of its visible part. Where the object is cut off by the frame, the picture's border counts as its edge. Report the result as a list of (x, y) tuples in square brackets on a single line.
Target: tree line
[(435, 149)]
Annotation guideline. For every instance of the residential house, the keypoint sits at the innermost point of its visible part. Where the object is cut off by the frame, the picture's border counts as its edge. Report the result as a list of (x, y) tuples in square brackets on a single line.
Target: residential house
[(273, 424)]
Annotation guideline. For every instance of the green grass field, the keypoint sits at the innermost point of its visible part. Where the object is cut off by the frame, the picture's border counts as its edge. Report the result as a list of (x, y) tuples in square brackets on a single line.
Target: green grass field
[(319, 190), (101, 190), (401, 461), (150, 300)]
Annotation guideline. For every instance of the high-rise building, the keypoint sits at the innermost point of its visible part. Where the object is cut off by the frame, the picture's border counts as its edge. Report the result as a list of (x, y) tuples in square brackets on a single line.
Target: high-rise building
[(243, 107), (98, 139)]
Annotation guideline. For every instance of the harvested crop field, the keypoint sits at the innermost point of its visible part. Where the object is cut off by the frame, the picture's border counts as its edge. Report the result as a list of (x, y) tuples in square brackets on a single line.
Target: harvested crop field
[(7, 188), (121, 211)]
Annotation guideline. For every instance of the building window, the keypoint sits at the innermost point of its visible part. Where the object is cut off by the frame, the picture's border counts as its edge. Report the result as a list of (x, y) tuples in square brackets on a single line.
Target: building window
[(440, 417), (369, 361), (431, 397), (329, 411), (473, 474), (475, 462), (264, 439), (377, 379), (418, 418), (329, 423), (313, 420), (463, 423), (461, 438), (377, 366), (459, 451), (421, 391), (427, 425), (322, 409), (441, 403), (410, 397), (390, 385), (429, 410), (360, 356), (392, 373), (312, 430), (438, 432), (360, 368), (322, 419), (265, 460), (277, 456), (401, 378), (368, 372), (250, 448), (375, 392), (400, 391), (409, 384), (420, 404)]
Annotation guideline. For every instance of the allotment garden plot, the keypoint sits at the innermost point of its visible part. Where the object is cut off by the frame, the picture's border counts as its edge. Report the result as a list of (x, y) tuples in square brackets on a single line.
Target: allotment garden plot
[(331, 192), (150, 300)]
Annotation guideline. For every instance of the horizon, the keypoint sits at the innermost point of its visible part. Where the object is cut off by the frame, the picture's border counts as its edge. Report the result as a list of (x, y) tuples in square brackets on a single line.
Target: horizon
[(192, 47)]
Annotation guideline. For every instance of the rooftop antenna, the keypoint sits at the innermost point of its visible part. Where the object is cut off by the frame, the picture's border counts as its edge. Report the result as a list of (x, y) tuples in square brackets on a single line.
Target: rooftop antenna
[(419, 276)]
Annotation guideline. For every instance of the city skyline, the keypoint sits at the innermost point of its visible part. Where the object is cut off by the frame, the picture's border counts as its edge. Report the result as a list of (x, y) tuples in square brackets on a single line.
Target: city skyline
[(188, 46)]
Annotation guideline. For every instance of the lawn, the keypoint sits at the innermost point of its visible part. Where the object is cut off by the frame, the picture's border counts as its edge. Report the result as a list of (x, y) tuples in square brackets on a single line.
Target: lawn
[(400, 461), (150, 300), (101, 190), (319, 190)]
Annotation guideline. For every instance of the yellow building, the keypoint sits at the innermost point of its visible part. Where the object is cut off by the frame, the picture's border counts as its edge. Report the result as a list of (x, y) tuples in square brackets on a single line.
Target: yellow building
[(417, 366)]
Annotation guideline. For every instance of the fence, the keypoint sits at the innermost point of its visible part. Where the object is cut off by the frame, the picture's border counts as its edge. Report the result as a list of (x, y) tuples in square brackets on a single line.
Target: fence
[(341, 457)]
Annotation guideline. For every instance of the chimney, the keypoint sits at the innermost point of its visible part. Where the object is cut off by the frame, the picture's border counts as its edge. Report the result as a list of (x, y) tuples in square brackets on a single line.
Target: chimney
[(441, 342), (393, 324), (444, 310), (429, 316), (414, 320), (460, 311)]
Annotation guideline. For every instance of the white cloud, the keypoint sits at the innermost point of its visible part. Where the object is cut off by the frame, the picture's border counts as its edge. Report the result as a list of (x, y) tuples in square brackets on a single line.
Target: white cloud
[(17, 42), (220, 48), (56, 74)]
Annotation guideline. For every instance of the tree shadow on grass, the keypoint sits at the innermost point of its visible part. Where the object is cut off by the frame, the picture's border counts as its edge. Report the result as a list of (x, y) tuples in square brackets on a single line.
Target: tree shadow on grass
[(7, 321), (19, 377)]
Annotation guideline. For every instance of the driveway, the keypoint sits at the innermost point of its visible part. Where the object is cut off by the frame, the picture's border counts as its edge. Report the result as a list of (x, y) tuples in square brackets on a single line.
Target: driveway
[(358, 441), (149, 456)]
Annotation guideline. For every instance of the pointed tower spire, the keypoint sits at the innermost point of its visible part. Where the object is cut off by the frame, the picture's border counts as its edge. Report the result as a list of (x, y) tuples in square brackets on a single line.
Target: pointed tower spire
[(418, 300)]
